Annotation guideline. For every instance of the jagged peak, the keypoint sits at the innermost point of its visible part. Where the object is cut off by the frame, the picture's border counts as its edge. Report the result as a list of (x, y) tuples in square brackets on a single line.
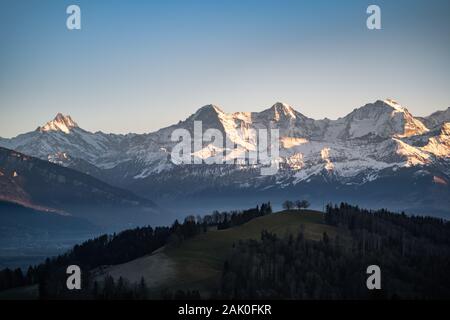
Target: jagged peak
[(61, 122), (380, 107), (281, 106), (208, 112), (210, 107), (281, 110), (439, 112)]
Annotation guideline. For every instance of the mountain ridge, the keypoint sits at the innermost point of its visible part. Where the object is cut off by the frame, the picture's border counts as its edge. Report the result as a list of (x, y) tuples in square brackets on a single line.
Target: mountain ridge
[(378, 139)]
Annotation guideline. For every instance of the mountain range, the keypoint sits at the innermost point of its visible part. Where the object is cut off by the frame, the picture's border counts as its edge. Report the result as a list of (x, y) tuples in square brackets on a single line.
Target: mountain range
[(379, 155)]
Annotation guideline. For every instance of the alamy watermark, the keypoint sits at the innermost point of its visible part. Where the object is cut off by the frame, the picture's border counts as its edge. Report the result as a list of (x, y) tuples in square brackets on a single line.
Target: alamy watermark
[(74, 280), (374, 280), (373, 22), (73, 21), (264, 151)]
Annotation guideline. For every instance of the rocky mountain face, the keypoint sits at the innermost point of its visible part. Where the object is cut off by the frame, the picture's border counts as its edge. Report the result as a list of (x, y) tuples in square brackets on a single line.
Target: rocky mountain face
[(437, 118), (378, 147)]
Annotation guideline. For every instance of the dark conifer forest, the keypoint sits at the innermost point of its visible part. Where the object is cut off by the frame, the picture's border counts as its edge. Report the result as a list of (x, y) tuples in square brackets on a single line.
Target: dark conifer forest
[(412, 252)]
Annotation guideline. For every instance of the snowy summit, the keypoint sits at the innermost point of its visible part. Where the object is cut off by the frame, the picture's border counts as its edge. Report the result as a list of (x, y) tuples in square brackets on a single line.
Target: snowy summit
[(59, 123)]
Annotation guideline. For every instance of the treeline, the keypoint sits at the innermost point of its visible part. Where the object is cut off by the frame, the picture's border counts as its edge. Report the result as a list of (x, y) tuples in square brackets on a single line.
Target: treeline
[(297, 204), (121, 289), (412, 252), (194, 225), (110, 289), (180, 295), (13, 278), (385, 223), (104, 250), (228, 220), (116, 249)]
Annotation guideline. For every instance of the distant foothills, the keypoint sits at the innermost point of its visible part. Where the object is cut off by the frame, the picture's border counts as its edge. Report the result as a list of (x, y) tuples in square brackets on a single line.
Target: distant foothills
[(379, 155), (254, 254)]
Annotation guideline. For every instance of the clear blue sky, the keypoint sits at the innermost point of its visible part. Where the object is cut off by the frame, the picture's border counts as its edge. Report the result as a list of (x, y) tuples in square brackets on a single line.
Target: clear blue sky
[(137, 66)]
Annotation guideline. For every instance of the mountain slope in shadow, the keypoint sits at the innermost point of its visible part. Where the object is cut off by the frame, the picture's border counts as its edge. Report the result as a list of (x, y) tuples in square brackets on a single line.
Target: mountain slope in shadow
[(43, 186)]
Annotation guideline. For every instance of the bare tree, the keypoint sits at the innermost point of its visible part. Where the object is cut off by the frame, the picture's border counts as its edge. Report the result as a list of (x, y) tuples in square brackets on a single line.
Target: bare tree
[(302, 204), (288, 205)]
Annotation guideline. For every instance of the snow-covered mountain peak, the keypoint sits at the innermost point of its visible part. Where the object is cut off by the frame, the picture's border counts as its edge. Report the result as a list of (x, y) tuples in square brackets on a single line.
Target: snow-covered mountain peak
[(379, 107), (61, 122), (385, 118), (281, 109), (209, 108), (210, 116), (395, 105), (207, 114)]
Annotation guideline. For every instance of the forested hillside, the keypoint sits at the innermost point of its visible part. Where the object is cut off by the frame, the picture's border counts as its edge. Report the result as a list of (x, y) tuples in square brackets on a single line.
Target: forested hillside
[(412, 252)]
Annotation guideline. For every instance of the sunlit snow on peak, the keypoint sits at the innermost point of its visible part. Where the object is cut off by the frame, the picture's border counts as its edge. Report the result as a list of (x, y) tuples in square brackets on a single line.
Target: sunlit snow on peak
[(59, 123)]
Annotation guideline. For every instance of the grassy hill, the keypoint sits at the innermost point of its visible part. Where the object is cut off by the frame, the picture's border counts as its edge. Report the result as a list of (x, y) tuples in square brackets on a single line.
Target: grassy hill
[(197, 262)]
